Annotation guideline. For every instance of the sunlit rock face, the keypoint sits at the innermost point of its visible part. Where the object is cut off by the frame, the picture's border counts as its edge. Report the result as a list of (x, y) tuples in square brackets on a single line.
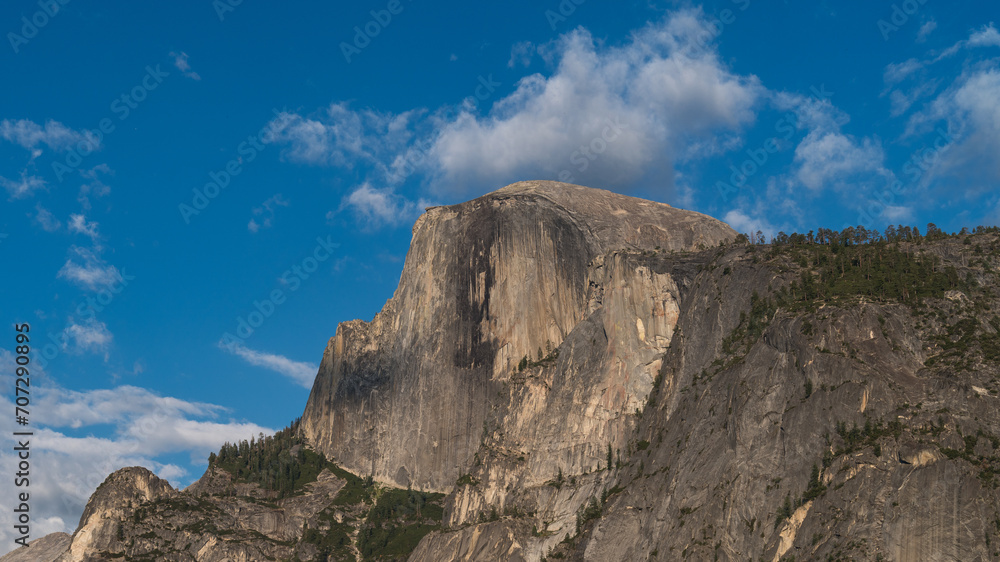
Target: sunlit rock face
[(410, 396)]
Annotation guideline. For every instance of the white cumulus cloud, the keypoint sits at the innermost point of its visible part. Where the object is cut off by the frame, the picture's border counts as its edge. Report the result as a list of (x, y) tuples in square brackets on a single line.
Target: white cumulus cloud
[(601, 115)]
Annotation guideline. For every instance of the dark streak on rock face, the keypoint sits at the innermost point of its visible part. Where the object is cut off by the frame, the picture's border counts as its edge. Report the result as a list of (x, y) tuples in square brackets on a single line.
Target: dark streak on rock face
[(472, 306), (367, 374), (486, 283)]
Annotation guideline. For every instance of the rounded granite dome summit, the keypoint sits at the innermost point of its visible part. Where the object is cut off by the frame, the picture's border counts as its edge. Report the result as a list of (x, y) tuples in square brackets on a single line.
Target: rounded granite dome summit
[(611, 220)]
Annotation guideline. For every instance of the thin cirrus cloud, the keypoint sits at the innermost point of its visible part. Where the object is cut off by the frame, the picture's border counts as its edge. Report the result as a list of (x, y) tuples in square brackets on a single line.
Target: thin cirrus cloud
[(925, 30), (987, 36), (32, 137), (339, 136), (299, 371), (94, 187), (521, 54)]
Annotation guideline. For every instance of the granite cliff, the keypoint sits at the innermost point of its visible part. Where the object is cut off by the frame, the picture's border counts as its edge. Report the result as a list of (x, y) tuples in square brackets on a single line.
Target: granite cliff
[(568, 373)]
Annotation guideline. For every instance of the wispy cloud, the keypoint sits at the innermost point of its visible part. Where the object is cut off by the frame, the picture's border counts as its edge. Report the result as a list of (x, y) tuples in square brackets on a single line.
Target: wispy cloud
[(89, 336), (987, 36), (521, 54), (970, 109), (24, 187), (79, 224), (300, 372), (266, 213), (340, 136), (925, 30), (95, 186), (53, 134), (88, 270), (182, 64), (46, 219)]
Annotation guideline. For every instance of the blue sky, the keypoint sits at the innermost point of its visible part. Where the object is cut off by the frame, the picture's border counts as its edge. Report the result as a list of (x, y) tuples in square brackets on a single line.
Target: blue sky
[(174, 174)]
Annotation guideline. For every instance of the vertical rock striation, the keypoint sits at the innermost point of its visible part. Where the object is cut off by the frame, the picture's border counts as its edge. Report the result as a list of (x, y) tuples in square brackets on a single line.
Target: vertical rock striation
[(407, 397)]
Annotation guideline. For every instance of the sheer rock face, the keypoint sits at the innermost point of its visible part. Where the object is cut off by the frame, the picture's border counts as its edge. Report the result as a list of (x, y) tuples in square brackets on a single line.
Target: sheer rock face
[(727, 436), (408, 396)]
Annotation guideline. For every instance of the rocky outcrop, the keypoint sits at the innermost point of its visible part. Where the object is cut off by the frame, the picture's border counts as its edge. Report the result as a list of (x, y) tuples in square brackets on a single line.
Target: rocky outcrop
[(135, 515), (407, 397), (49, 548), (108, 506), (828, 437)]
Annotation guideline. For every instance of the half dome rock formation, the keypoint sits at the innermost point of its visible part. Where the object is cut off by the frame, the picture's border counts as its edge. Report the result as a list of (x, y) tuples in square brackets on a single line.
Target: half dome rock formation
[(569, 373), (410, 396)]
